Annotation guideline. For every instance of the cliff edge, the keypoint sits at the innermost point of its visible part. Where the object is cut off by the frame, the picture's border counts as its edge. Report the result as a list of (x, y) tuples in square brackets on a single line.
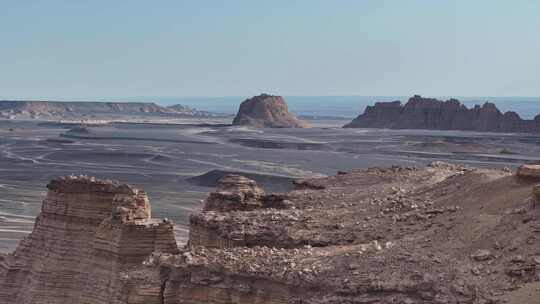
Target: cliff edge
[(443, 234), (433, 114), (266, 111), (87, 233)]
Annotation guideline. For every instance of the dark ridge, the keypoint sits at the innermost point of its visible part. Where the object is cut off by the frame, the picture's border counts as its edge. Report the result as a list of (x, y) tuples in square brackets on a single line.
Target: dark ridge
[(270, 183), (36, 109), (276, 144), (127, 124)]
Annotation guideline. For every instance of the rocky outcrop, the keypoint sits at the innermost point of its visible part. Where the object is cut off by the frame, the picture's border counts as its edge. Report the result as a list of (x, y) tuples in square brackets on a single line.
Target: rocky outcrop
[(396, 235), (88, 232), (442, 234), (433, 114), (266, 111)]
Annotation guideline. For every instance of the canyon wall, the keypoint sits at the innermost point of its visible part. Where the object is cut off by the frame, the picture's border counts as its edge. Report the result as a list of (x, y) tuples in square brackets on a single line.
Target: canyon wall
[(433, 114)]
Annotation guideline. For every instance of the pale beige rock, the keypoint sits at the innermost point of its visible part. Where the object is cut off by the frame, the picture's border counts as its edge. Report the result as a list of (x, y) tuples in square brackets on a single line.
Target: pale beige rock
[(88, 231)]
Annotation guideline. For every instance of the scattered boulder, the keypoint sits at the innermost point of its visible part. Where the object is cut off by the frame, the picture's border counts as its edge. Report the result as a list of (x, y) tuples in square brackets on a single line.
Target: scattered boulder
[(267, 111), (482, 255)]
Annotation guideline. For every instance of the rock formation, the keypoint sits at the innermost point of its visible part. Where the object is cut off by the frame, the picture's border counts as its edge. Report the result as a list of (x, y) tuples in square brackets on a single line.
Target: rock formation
[(267, 111), (234, 193), (87, 233), (397, 235), (442, 234), (429, 113)]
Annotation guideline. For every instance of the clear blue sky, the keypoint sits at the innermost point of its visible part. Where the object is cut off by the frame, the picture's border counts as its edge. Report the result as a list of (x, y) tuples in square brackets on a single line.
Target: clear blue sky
[(81, 49)]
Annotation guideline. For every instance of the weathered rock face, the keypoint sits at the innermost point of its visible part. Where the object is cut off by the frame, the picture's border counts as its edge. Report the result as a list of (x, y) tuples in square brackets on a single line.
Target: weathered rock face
[(397, 235), (87, 233), (443, 234), (429, 113), (267, 111)]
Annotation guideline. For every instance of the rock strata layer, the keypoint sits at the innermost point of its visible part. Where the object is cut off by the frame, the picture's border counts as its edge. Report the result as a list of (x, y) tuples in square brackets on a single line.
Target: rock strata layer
[(433, 114), (443, 234), (266, 111), (88, 232)]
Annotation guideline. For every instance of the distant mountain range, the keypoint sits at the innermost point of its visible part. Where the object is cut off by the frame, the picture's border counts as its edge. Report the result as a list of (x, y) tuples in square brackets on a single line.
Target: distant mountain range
[(15, 109)]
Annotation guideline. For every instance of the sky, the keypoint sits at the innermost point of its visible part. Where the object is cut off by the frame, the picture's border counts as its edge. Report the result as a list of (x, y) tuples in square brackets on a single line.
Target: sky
[(101, 49)]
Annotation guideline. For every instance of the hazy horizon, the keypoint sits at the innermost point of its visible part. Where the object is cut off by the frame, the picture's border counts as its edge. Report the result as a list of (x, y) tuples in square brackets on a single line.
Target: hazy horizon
[(335, 106)]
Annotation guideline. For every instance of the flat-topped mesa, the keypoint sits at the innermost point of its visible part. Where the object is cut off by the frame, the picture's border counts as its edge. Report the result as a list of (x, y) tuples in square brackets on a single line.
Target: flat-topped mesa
[(434, 114), (88, 231), (267, 111), (123, 202)]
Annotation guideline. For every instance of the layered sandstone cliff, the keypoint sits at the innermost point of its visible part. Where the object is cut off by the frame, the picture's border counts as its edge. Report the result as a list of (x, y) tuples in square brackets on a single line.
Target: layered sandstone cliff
[(430, 113), (88, 232), (444, 234), (267, 111)]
